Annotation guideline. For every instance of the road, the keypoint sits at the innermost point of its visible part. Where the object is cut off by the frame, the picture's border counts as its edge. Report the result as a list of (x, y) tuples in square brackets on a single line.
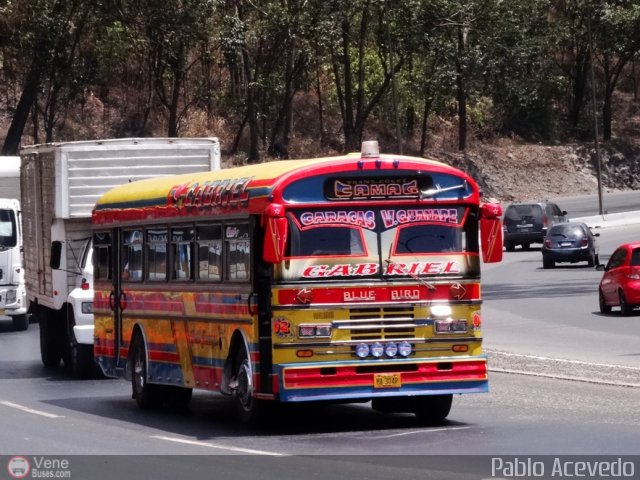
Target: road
[(612, 202), (48, 412), (554, 313)]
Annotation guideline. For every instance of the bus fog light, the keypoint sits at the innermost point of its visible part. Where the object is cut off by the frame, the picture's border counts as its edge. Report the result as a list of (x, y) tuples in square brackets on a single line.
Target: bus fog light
[(404, 349), (391, 349), (377, 349), (362, 350)]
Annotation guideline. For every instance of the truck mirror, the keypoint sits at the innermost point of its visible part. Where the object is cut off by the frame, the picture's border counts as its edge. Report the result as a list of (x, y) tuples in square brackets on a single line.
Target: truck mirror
[(56, 254)]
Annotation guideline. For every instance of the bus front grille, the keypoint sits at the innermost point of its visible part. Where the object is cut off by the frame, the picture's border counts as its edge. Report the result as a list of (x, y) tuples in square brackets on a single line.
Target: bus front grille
[(379, 323)]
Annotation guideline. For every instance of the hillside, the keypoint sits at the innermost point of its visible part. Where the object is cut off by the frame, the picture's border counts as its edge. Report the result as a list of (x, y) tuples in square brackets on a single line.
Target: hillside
[(508, 171)]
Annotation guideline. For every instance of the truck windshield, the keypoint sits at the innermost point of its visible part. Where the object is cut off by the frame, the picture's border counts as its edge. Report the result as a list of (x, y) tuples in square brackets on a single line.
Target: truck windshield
[(381, 243), (8, 235)]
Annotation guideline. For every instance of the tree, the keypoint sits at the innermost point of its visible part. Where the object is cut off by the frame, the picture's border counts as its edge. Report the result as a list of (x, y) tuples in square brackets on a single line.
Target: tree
[(616, 31), (48, 33), (358, 54), (174, 32)]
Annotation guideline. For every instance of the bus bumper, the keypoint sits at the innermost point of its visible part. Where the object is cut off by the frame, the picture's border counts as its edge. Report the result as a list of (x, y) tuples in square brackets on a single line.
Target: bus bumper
[(366, 380)]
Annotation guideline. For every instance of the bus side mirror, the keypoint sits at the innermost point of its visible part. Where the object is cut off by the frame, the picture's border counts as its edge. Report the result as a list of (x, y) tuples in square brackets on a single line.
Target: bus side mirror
[(275, 236), (491, 232), (56, 254)]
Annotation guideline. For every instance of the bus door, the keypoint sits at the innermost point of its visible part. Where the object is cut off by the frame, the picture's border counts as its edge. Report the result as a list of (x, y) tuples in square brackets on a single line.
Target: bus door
[(116, 296), (128, 263), (107, 292), (260, 304)]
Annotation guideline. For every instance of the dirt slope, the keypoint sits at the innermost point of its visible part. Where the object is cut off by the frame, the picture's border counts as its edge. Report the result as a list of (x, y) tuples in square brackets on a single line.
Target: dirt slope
[(510, 171)]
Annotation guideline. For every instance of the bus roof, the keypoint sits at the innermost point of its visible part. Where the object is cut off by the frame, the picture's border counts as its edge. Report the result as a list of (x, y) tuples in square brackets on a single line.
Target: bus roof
[(254, 187)]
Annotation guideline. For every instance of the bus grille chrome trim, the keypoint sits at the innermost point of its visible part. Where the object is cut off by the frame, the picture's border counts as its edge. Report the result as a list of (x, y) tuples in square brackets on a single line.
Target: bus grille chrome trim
[(390, 323)]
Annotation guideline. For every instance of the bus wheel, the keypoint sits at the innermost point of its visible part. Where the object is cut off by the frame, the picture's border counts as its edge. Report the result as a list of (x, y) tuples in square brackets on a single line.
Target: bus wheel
[(178, 397), (249, 408), (146, 394), (432, 408)]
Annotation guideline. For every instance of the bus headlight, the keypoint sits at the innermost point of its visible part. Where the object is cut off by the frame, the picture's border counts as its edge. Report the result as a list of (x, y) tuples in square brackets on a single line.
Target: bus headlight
[(308, 331), (440, 310), (450, 326)]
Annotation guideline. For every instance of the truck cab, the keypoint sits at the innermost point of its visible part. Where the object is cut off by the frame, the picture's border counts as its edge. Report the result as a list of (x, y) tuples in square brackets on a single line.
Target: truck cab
[(12, 288), (80, 311)]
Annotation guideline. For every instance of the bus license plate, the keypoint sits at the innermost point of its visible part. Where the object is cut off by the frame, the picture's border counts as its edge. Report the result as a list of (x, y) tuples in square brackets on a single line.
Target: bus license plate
[(387, 380)]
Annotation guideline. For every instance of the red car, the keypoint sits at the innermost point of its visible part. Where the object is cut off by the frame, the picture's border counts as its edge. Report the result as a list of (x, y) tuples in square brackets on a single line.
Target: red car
[(620, 284)]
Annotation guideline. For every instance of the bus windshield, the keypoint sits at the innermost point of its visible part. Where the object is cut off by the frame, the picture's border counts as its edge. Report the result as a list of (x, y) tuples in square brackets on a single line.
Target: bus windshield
[(8, 236), (381, 243)]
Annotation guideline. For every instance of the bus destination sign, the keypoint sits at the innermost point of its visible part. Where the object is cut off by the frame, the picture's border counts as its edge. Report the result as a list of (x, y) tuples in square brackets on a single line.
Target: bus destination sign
[(367, 188)]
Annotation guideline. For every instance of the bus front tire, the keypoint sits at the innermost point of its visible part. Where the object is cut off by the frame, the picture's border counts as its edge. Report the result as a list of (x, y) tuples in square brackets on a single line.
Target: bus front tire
[(146, 395), (432, 409), (250, 409)]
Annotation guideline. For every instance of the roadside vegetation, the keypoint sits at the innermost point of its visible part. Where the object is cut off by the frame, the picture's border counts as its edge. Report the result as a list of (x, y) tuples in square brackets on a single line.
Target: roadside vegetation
[(455, 79)]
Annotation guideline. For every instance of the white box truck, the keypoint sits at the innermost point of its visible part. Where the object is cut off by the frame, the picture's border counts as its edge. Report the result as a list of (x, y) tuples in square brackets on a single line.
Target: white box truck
[(12, 289), (60, 184)]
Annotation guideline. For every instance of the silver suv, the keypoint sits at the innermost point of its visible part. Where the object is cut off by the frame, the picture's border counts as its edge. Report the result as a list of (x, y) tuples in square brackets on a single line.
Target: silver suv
[(527, 223)]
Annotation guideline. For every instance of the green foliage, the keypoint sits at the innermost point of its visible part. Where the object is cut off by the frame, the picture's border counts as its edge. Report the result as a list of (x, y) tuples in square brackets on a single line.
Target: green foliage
[(522, 63)]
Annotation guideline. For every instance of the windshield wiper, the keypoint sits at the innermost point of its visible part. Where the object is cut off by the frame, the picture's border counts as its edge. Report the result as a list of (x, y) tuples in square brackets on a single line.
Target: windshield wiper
[(401, 267), (435, 191)]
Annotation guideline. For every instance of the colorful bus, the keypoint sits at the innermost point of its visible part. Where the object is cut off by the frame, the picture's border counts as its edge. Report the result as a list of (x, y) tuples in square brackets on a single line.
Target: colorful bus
[(353, 278)]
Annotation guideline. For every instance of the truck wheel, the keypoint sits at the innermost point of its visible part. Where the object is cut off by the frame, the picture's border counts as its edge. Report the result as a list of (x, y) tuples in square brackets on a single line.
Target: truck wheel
[(20, 322), (432, 408), (82, 362), (50, 351), (147, 395)]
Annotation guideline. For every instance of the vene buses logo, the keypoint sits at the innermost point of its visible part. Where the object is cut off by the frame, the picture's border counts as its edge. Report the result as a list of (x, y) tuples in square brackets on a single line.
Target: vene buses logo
[(18, 467)]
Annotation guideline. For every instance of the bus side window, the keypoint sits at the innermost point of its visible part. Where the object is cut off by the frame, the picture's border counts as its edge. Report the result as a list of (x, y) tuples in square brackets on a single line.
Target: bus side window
[(132, 255), (237, 252), (209, 251), (156, 247), (181, 253)]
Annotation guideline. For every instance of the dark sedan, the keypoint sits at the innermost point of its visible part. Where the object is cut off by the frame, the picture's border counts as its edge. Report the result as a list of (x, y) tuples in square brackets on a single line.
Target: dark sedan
[(570, 242)]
